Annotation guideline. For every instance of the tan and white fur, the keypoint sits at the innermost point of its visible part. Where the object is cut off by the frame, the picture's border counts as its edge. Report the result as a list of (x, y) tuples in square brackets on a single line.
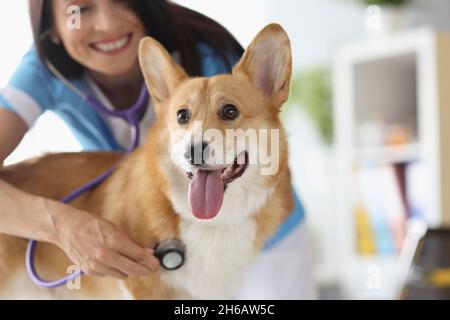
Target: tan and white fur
[(148, 194)]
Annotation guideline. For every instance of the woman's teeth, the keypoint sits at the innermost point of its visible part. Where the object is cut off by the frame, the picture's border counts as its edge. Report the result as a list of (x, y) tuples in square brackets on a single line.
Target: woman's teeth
[(113, 45)]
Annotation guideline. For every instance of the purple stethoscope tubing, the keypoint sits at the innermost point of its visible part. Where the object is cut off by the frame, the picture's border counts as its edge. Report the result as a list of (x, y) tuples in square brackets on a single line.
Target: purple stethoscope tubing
[(131, 115)]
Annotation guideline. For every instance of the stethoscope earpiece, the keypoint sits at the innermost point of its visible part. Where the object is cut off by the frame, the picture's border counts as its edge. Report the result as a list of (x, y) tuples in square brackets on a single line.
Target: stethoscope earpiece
[(170, 254)]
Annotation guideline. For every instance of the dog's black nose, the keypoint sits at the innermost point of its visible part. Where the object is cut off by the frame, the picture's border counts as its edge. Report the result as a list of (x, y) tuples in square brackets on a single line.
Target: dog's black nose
[(197, 153)]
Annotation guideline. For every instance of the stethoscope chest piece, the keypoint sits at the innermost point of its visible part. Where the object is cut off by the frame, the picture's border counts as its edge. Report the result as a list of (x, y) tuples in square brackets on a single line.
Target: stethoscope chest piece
[(170, 254)]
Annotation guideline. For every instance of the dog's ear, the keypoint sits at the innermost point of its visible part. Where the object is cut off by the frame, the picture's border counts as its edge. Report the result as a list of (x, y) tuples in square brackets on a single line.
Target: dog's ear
[(267, 63), (162, 74)]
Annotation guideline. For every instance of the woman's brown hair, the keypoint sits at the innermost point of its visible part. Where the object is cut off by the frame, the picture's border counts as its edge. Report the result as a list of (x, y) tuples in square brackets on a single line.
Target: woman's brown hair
[(174, 26)]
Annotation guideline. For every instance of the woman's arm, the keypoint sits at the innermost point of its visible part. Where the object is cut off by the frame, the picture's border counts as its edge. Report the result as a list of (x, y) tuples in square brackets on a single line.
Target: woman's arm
[(20, 214), (12, 130), (24, 215), (96, 245)]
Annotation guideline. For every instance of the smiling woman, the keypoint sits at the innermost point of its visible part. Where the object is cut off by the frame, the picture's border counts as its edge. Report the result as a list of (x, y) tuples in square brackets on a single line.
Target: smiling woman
[(174, 26), (99, 60), (106, 43)]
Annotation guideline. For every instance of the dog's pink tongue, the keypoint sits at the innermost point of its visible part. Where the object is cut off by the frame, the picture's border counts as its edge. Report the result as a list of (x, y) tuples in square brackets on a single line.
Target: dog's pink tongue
[(206, 194)]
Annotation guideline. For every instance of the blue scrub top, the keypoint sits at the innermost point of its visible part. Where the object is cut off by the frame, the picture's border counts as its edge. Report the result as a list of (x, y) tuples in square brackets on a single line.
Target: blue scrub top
[(32, 90)]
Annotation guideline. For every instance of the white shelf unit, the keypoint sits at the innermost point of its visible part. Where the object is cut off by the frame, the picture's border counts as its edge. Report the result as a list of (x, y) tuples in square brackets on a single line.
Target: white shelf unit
[(406, 73), (388, 154)]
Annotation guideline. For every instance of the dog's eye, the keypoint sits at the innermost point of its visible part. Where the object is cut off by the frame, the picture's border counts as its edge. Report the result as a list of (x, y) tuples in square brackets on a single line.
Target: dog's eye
[(183, 116), (229, 112)]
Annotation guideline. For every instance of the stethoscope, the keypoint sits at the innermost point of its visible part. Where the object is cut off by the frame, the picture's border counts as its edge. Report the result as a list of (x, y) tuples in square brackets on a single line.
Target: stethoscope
[(171, 252)]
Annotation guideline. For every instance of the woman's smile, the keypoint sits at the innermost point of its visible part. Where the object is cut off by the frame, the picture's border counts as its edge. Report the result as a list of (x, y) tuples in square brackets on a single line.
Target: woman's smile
[(112, 45)]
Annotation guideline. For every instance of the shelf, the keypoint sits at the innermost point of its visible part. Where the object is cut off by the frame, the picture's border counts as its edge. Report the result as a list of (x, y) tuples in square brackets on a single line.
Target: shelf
[(395, 82), (372, 277), (388, 154), (384, 262)]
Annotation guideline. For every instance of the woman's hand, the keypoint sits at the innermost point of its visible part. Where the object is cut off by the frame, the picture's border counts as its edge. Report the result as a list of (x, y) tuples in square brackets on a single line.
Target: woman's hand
[(99, 247)]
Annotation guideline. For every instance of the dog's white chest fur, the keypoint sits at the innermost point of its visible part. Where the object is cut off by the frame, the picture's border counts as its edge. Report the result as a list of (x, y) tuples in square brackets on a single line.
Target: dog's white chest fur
[(218, 251), (216, 259)]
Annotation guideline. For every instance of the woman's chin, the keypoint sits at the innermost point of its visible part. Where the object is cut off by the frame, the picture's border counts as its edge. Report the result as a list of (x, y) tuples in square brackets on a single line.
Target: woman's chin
[(113, 69), (113, 65)]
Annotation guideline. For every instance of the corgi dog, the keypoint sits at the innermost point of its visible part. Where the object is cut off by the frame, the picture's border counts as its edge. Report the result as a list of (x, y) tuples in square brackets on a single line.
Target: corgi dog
[(185, 182)]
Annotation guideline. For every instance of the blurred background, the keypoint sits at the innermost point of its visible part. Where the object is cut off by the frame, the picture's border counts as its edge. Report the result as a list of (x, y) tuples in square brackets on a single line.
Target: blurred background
[(367, 123)]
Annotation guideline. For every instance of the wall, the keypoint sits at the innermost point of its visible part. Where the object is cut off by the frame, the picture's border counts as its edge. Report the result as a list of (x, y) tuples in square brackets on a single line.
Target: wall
[(15, 32)]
